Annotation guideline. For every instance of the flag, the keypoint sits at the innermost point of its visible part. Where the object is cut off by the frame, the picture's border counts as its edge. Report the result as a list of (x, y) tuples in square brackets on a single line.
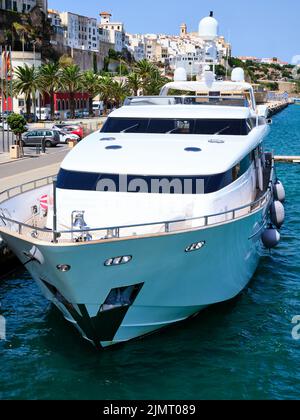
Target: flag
[(1, 66), (9, 66)]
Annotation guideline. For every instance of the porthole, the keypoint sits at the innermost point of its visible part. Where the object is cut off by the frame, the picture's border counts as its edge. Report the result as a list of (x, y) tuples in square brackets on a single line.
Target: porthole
[(192, 149), (64, 268), (113, 147), (195, 247), (118, 261)]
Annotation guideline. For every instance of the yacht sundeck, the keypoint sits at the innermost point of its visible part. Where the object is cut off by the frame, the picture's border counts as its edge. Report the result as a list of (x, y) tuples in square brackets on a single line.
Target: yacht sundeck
[(157, 216)]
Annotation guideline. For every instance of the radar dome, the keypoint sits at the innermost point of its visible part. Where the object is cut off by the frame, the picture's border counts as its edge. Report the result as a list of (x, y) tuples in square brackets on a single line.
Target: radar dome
[(209, 28), (238, 75), (180, 75)]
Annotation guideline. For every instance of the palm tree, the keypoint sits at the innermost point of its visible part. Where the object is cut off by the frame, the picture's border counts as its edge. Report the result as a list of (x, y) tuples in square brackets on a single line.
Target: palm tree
[(26, 83), (119, 91), (148, 74), (70, 82), (134, 83), (48, 81), (105, 91), (91, 85), (154, 83)]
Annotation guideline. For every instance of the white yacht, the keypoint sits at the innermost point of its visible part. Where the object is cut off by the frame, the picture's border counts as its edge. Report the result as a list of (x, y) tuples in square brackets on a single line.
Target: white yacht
[(155, 217)]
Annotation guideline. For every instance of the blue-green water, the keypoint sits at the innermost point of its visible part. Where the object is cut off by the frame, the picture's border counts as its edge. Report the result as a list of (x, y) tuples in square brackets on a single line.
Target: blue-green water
[(241, 349)]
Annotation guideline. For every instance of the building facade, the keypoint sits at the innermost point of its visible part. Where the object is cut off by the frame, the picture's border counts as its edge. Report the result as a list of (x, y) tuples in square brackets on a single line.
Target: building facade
[(57, 36), (115, 30), (80, 32)]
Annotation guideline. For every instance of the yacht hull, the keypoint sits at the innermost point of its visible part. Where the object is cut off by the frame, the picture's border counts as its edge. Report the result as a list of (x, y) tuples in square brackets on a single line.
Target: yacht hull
[(170, 284)]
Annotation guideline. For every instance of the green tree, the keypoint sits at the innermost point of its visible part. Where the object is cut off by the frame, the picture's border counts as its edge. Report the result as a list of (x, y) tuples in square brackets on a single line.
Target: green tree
[(71, 82), (91, 85), (26, 83), (150, 77), (134, 83), (220, 70), (95, 63), (119, 91), (48, 82), (17, 124), (105, 91)]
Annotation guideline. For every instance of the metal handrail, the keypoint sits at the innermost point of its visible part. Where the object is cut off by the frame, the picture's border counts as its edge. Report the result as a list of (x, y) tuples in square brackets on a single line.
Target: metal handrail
[(21, 187), (255, 205), (182, 99)]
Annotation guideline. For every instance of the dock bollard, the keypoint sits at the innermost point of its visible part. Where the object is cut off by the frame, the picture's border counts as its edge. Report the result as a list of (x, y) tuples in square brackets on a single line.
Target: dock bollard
[(43, 145)]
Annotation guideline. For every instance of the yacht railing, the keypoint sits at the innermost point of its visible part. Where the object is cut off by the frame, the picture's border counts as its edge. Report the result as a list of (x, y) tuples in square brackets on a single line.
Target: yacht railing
[(237, 100), (26, 187), (115, 232)]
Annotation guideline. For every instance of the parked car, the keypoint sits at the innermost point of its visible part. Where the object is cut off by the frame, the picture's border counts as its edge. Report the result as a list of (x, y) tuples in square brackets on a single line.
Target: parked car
[(82, 114), (70, 129), (35, 138), (76, 129), (65, 137)]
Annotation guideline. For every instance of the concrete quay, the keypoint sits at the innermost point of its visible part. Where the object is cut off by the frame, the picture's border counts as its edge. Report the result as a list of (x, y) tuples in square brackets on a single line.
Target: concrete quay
[(276, 107)]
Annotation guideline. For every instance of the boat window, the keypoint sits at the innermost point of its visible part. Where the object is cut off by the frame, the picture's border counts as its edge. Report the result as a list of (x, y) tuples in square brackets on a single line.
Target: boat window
[(171, 126), (156, 184), (239, 127), (130, 125), (232, 127)]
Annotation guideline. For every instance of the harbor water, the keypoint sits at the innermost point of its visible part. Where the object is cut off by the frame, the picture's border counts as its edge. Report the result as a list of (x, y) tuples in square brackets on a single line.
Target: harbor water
[(241, 349)]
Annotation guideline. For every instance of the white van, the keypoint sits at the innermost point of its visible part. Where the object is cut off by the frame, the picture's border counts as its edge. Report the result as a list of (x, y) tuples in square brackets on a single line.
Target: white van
[(98, 107), (43, 114)]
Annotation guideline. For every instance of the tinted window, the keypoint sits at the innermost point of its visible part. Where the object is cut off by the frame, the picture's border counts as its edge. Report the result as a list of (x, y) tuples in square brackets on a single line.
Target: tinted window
[(171, 126), (131, 125), (238, 127), (156, 184), (224, 127)]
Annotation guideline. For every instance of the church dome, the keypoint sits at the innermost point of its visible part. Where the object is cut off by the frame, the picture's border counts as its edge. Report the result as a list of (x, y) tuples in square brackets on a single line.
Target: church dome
[(209, 28)]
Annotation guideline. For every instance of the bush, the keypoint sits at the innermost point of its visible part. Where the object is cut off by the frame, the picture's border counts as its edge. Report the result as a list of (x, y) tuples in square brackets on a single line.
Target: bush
[(17, 123)]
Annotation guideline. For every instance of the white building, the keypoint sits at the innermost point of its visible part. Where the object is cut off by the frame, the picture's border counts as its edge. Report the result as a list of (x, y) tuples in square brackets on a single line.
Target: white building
[(23, 6), (20, 59), (136, 45), (116, 30), (57, 37), (80, 31), (189, 50)]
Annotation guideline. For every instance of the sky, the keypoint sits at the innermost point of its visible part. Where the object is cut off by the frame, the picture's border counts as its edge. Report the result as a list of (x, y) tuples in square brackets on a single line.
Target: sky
[(262, 28)]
